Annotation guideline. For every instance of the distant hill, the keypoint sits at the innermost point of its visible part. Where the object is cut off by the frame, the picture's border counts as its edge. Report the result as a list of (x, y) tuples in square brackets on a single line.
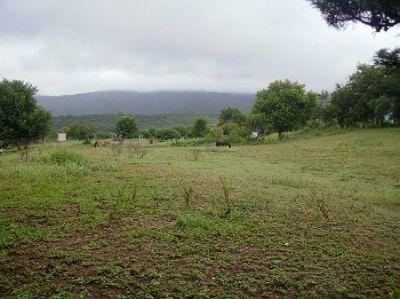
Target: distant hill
[(106, 122), (145, 103)]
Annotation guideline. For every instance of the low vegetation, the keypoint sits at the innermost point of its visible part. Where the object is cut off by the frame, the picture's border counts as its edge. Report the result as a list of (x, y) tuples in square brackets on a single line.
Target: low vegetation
[(314, 216)]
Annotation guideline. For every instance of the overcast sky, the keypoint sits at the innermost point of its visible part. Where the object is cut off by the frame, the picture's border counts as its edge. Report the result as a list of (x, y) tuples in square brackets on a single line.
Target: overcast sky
[(73, 46)]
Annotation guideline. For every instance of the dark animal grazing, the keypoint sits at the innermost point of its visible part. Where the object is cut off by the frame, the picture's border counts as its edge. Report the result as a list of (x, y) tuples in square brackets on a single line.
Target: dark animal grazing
[(222, 143), (98, 144)]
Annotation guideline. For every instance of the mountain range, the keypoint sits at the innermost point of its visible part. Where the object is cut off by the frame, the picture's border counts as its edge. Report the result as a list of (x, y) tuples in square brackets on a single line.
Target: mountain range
[(145, 103)]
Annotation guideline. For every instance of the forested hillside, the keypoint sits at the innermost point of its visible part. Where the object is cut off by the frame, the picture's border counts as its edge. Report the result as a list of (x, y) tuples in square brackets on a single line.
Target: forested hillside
[(145, 103), (106, 122)]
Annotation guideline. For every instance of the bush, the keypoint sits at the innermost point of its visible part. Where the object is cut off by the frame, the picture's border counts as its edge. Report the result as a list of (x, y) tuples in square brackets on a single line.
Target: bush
[(103, 135), (81, 131), (63, 157), (194, 142), (75, 161), (167, 134)]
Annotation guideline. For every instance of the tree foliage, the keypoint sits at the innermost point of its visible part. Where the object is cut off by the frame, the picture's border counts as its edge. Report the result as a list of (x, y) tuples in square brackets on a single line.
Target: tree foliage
[(200, 127), (231, 115), (323, 99), (388, 58), (167, 134), (22, 121), (284, 106), (378, 14), (370, 97), (81, 131), (126, 127)]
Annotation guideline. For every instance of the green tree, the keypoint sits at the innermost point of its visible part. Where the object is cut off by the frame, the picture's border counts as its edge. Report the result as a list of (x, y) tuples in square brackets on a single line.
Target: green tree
[(285, 106), (81, 131), (22, 121), (183, 131), (200, 127), (231, 114), (323, 100), (329, 114), (369, 98), (378, 14), (389, 59), (126, 127), (167, 134), (255, 122)]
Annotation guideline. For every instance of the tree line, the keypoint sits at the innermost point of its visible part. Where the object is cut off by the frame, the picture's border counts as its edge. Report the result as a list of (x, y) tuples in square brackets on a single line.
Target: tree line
[(370, 97)]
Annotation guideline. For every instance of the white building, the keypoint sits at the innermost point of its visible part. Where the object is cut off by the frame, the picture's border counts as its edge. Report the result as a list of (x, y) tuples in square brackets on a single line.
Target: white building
[(62, 137)]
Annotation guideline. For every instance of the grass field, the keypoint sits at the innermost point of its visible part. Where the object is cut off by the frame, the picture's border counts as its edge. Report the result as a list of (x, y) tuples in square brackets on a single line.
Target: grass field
[(315, 216)]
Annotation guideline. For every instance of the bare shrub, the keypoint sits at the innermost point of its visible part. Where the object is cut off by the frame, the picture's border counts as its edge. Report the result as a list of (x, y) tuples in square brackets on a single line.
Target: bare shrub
[(187, 194), (195, 154), (116, 149), (321, 204), (142, 152), (132, 149), (26, 154), (135, 149)]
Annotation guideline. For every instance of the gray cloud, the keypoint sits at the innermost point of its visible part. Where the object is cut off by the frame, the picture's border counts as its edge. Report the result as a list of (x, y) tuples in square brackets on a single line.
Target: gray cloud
[(226, 45)]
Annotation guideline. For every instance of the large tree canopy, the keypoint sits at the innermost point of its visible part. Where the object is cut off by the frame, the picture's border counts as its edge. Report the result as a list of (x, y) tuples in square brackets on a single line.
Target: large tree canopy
[(388, 58), (378, 14), (371, 97), (81, 131), (285, 106), (22, 121), (126, 127)]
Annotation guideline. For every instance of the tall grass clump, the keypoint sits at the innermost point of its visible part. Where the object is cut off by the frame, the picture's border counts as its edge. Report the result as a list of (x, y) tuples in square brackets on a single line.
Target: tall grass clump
[(188, 192), (124, 200), (116, 149), (63, 157), (76, 163), (226, 189), (41, 171)]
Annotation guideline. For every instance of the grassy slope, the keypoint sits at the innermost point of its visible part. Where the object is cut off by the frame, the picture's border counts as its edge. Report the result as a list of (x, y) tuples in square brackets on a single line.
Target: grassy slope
[(68, 230)]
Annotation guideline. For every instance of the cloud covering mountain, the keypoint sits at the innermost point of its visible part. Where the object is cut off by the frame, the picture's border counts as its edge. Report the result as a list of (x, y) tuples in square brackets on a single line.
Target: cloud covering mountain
[(74, 46), (145, 103)]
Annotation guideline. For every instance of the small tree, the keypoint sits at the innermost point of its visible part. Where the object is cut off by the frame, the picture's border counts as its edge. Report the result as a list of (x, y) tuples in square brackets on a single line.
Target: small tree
[(200, 127), (285, 106), (81, 131), (126, 127), (22, 121), (231, 114)]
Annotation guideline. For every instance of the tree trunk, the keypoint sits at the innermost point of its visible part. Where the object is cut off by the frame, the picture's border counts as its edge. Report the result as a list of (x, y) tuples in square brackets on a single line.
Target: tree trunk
[(280, 135)]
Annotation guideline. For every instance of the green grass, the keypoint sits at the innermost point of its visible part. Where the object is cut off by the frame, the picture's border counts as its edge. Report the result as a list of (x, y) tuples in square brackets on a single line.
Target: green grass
[(313, 216)]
